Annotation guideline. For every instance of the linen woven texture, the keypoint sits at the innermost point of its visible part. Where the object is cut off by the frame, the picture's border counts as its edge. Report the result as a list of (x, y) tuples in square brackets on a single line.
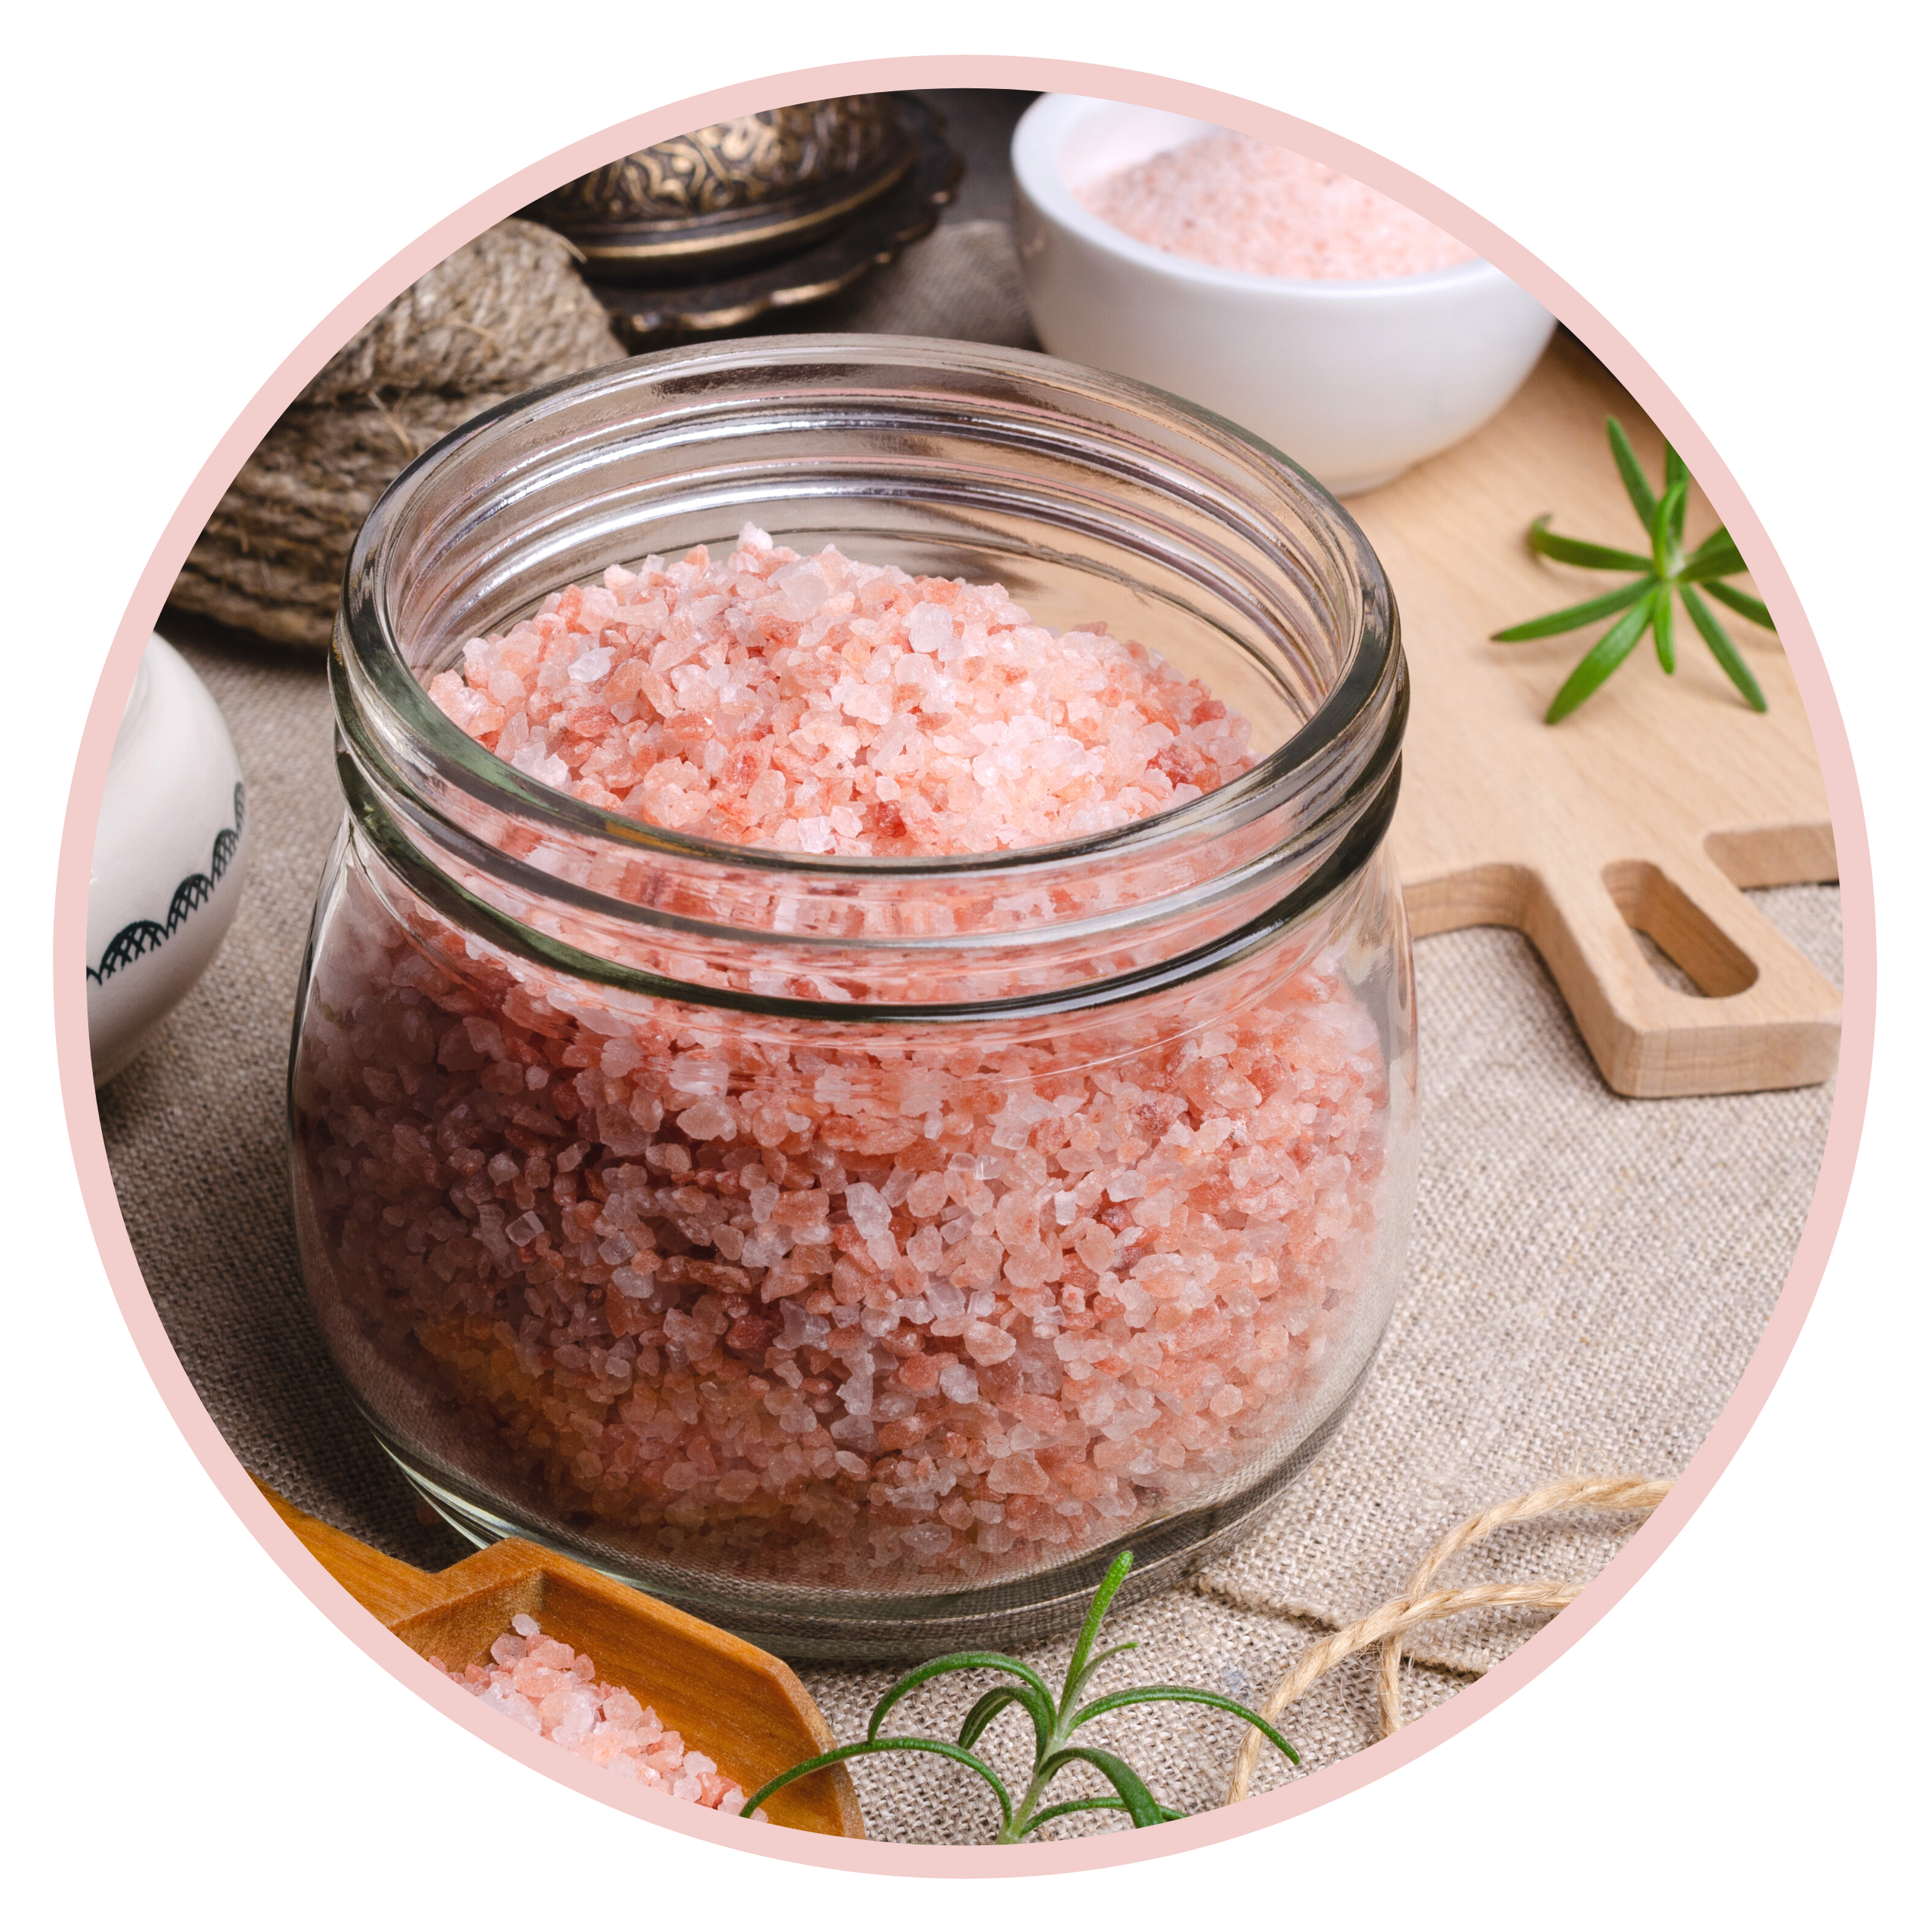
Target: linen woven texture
[(1587, 1278)]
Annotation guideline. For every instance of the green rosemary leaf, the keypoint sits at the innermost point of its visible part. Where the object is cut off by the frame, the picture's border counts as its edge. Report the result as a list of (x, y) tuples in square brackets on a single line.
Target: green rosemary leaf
[(1604, 657), (1589, 556), (1742, 602), (1661, 628), (1667, 526), (1141, 1805), (869, 1747), (1052, 1724), (1642, 500), (1723, 650), (984, 1712), (1675, 473), (1109, 1586), (1168, 1817), (1090, 1669), (1576, 616), (1723, 560), (1717, 540), (1034, 1703), (1054, 1811), (959, 1660), (1183, 1693)]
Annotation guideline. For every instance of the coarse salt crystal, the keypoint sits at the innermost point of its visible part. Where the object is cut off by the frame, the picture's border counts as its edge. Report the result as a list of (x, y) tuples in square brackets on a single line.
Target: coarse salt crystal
[(599, 1722)]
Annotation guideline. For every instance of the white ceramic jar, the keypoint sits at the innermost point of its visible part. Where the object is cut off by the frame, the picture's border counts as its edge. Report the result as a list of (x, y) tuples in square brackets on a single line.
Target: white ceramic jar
[(1354, 380), (168, 856)]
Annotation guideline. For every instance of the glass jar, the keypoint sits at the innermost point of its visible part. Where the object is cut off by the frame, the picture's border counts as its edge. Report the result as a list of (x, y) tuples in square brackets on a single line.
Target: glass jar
[(860, 1252)]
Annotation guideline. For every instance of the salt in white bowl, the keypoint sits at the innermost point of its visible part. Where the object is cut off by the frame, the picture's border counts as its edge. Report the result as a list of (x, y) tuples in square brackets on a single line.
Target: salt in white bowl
[(1354, 380), (168, 856)]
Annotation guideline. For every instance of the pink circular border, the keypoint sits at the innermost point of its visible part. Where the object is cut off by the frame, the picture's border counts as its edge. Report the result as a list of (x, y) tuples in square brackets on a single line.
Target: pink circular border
[(1145, 89)]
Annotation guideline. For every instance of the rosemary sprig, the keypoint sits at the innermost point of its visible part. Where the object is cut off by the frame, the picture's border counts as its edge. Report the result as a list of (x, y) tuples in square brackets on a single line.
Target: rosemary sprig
[(1645, 604), (1054, 1721)]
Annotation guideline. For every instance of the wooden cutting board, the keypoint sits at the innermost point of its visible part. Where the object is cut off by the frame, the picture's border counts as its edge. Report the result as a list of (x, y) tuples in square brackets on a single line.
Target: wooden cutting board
[(1647, 810)]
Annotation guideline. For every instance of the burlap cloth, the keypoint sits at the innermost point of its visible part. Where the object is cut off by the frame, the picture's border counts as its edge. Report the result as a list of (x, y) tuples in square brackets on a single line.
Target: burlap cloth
[(1587, 1277)]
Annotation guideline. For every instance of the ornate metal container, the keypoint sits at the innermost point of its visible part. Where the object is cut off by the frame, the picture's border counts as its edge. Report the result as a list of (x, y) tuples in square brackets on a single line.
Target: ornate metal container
[(734, 193), (712, 229)]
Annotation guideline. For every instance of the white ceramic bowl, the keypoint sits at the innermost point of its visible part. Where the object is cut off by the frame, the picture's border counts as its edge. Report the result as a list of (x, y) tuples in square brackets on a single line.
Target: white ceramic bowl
[(168, 856), (1355, 380)]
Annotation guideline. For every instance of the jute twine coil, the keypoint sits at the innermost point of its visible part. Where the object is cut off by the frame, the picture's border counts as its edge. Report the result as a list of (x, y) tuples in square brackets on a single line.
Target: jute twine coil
[(1419, 1604), (506, 312)]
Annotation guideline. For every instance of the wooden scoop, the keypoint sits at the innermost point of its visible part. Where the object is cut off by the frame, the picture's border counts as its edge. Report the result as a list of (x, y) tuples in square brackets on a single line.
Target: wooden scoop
[(740, 1706)]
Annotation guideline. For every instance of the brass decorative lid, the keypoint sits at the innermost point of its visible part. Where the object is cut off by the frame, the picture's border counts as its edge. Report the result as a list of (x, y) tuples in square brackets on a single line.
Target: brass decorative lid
[(735, 192)]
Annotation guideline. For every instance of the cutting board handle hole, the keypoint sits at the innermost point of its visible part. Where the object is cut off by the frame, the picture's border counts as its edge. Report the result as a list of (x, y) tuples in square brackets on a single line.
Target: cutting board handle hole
[(1658, 909)]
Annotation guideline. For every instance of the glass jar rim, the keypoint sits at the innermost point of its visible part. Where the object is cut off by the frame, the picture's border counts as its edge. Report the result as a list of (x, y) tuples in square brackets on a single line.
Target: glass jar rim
[(374, 684), (506, 508)]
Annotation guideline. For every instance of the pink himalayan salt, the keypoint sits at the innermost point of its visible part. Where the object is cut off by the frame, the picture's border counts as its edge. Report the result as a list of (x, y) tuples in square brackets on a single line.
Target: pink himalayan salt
[(819, 705), (941, 1313), (552, 1690), (1234, 202), (839, 1310)]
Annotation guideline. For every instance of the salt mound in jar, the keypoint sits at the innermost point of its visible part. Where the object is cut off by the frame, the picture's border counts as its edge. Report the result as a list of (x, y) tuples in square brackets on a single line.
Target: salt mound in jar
[(818, 704)]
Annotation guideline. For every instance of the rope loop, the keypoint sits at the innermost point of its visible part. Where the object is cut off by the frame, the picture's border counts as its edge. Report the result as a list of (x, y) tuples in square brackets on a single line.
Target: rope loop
[(1419, 1604)]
